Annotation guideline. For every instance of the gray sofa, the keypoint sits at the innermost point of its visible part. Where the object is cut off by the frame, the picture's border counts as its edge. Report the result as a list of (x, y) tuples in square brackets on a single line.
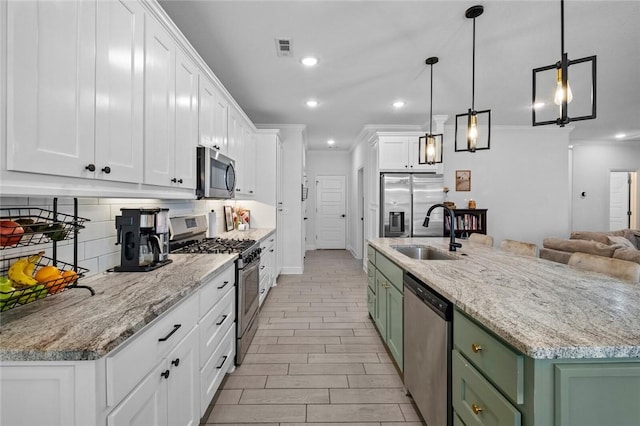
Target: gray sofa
[(623, 244)]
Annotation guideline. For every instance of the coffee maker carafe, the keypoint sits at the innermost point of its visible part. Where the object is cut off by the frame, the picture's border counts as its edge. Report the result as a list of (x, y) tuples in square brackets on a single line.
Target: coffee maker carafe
[(143, 235)]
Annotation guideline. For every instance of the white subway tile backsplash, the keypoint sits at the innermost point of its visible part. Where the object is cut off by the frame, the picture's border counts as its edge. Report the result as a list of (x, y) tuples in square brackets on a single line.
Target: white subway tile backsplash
[(108, 261), (97, 251), (96, 230), (91, 265), (13, 201), (96, 248)]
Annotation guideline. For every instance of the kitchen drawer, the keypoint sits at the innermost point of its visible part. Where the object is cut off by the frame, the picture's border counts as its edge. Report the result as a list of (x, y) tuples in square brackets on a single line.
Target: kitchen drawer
[(215, 323), (500, 364), (390, 270), (216, 367), (371, 276), (212, 291), (371, 254), (267, 243), (476, 401), (127, 366)]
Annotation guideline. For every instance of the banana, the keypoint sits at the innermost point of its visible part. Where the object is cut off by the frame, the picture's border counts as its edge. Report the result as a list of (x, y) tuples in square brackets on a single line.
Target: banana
[(32, 263), (17, 275)]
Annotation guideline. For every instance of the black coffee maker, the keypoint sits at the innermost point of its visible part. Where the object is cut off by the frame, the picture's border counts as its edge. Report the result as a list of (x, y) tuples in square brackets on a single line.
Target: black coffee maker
[(144, 238)]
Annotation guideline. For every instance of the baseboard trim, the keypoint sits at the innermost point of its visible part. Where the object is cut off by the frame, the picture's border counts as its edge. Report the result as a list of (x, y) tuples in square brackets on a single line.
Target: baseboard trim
[(292, 271)]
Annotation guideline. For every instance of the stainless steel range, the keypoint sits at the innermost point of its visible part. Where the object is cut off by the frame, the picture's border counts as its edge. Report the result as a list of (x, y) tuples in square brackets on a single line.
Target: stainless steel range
[(188, 237)]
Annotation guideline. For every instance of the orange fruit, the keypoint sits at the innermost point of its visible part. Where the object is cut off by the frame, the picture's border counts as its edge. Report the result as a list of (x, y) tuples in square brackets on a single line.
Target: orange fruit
[(47, 273), (69, 276)]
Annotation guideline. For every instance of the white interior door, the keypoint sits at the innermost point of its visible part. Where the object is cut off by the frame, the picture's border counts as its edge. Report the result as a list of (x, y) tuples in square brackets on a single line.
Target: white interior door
[(618, 200), (331, 210)]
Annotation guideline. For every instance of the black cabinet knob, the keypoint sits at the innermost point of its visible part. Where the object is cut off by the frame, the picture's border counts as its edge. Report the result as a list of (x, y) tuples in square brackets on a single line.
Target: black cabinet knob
[(174, 180), (179, 180), (165, 374), (175, 362), (91, 167), (106, 169)]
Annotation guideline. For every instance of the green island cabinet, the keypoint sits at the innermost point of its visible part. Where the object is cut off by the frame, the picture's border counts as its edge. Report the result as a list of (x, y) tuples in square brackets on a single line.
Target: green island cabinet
[(385, 300), (494, 384)]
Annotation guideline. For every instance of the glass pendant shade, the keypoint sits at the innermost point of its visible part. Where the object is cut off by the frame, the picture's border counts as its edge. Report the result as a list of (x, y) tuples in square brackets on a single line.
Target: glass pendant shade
[(552, 93), (430, 149), (473, 129)]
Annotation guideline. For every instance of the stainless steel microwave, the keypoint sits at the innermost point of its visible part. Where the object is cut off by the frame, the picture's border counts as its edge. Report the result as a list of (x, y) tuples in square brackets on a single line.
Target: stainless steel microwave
[(216, 175)]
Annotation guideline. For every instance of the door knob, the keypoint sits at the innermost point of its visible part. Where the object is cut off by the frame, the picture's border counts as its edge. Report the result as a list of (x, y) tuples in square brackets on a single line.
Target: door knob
[(176, 362), (91, 167), (106, 169), (343, 215), (165, 374)]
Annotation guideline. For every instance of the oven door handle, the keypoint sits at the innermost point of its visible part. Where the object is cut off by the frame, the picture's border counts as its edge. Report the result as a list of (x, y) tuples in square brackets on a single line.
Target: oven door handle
[(248, 269)]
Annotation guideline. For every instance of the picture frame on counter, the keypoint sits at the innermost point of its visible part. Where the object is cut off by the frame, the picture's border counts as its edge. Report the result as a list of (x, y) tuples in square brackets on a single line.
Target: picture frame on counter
[(228, 218)]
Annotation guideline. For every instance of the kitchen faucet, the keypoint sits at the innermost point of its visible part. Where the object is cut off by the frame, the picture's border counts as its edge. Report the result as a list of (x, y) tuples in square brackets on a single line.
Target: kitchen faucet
[(452, 241)]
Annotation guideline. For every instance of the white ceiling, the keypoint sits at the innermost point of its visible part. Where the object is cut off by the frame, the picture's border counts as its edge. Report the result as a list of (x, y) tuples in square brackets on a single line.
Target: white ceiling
[(372, 53)]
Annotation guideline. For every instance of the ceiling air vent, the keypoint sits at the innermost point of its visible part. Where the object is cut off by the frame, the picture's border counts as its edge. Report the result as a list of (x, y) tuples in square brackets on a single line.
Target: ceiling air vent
[(283, 47)]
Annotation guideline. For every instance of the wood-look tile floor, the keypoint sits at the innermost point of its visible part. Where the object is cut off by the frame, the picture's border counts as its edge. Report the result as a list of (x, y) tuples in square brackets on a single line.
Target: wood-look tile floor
[(316, 357)]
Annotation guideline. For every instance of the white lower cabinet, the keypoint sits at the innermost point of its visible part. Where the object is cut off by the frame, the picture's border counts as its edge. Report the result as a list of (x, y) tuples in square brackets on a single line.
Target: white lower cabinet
[(166, 374), (267, 265), (218, 364), (166, 396)]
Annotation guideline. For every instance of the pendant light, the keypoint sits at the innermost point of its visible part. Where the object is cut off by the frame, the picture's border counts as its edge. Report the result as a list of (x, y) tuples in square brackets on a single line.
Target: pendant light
[(430, 145), (478, 123), (551, 104)]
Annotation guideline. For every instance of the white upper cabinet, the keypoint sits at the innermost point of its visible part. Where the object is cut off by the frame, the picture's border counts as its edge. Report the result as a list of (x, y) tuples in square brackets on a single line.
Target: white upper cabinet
[(242, 149), (213, 116), (250, 162), (400, 152), (119, 90), (220, 130), (50, 79), (394, 153), (159, 105), (207, 104), (186, 122)]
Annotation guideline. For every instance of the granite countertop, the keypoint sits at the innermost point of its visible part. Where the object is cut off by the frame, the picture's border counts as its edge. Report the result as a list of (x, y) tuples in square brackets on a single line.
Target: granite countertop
[(544, 309), (74, 325), (257, 234)]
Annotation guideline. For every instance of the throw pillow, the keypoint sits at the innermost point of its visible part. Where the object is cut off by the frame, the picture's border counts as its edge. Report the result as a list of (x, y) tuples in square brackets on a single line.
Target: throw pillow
[(633, 235), (620, 242)]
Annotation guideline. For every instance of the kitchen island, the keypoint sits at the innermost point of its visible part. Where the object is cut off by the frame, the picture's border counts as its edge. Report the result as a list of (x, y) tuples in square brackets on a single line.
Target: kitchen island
[(570, 338)]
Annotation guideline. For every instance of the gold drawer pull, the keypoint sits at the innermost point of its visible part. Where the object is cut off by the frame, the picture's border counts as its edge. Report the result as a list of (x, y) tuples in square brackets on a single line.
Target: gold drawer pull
[(476, 409), (476, 348)]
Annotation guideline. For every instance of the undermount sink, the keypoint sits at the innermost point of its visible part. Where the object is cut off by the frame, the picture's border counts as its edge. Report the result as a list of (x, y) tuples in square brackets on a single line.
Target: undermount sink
[(423, 252)]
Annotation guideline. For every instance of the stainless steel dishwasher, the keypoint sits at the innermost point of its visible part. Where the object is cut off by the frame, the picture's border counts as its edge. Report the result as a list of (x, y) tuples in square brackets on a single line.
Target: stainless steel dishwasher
[(427, 351)]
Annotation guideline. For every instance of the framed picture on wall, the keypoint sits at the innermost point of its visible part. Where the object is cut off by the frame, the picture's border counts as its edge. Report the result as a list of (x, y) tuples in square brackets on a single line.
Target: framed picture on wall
[(463, 180), (228, 218)]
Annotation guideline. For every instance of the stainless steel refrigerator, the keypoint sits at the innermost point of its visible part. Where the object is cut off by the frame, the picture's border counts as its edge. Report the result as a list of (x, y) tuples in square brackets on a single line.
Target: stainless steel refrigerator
[(405, 199)]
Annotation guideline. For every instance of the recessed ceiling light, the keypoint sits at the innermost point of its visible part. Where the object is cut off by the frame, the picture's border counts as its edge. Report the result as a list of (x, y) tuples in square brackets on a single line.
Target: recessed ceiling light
[(538, 105), (331, 141), (309, 61), (312, 103), (621, 135), (398, 104)]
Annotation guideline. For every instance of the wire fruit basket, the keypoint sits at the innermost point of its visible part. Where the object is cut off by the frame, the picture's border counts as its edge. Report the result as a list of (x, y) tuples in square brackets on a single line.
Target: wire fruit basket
[(27, 226), (16, 295)]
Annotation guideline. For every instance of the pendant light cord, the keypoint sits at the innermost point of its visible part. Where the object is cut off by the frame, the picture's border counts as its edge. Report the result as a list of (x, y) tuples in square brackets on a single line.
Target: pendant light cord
[(431, 102), (473, 68), (561, 28)]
